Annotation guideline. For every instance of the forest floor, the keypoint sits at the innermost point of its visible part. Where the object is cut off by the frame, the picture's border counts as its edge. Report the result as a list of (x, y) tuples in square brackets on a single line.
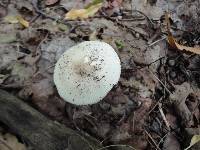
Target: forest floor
[(155, 104)]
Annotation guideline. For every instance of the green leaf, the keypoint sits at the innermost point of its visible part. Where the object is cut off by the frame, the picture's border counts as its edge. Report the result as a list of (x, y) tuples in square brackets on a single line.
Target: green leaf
[(119, 44)]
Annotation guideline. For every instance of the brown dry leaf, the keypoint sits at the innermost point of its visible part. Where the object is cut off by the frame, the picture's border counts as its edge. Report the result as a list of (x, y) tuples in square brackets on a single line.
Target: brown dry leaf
[(83, 13), (174, 44), (50, 2), (9, 141)]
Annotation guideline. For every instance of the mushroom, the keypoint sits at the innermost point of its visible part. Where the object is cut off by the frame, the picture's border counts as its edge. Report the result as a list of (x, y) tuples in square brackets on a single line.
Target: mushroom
[(85, 73)]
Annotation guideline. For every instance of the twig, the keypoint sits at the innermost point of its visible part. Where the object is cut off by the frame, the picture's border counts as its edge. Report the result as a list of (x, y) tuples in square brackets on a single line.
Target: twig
[(35, 18), (153, 43), (152, 140), (135, 10), (120, 24), (161, 82), (40, 12), (37, 10), (161, 140), (4, 143), (154, 61), (43, 70), (11, 86), (117, 146), (163, 116), (155, 105)]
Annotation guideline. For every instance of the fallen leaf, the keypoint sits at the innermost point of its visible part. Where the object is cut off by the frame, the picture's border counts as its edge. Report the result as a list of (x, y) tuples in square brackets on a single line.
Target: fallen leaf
[(178, 98), (121, 133), (195, 139), (171, 143), (141, 114), (174, 44), (3, 77), (139, 142), (3, 11), (17, 19), (22, 21), (62, 27), (11, 19), (50, 2), (172, 120), (94, 2), (9, 141), (8, 38), (83, 13)]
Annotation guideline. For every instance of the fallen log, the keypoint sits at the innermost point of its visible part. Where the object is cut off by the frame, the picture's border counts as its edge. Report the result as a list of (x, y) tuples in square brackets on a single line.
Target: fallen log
[(37, 130)]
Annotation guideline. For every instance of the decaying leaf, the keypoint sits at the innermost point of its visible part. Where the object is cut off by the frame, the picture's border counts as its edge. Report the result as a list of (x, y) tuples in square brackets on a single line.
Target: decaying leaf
[(17, 19), (9, 141), (3, 11), (174, 44), (178, 97), (83, 13), (171, 143), (195, 139)]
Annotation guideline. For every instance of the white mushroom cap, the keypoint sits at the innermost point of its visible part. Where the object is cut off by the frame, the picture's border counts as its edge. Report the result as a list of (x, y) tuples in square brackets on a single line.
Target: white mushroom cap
[(87, 72)]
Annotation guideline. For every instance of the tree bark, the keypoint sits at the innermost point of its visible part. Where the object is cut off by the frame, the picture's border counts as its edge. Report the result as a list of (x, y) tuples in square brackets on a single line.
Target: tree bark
[(37, 130)]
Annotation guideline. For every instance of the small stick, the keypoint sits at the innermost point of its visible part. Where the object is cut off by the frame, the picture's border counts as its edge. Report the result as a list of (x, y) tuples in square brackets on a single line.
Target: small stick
[(152, 140), (135, 10), (161, 140), (160, 82), (163, 116), (116, 146), (155, 105), (153, 43), (35, 6), (40, 12)]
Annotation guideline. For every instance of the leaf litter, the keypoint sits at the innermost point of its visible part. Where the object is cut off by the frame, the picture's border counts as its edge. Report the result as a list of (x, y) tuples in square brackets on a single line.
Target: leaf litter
[(152, 73)]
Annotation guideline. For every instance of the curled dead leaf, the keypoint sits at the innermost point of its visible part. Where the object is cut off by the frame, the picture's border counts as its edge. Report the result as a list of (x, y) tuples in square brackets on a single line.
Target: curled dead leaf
[(174, 44)]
